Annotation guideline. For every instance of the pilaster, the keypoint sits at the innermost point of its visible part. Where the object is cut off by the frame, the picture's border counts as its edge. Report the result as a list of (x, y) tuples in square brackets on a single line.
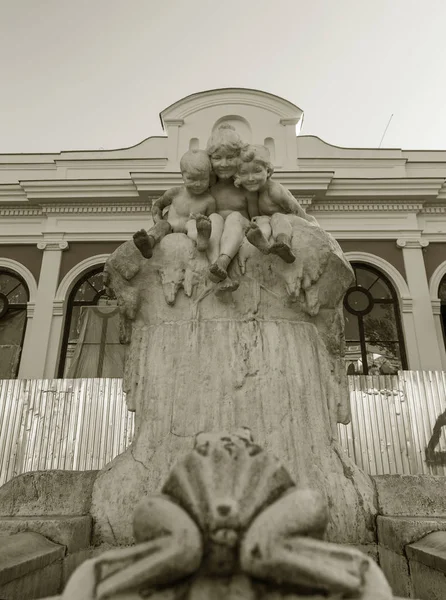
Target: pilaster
[(425, 332), (290, 142), (35, 352)]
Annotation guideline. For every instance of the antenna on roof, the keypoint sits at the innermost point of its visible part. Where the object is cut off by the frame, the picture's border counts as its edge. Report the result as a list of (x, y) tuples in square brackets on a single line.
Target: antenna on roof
[(385, 130)]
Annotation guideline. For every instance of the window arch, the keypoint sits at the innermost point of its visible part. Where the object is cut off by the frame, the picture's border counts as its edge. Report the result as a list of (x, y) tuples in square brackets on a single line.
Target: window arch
[(373, 332), (14, 297), (90, 344)]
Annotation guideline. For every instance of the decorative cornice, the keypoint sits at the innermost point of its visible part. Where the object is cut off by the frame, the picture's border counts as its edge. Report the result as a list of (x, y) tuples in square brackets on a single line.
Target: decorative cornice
[(174, 122), (99, 208), (292, 121), (86, 189), (364, 206), (155, 182), (305, 181), (412, 244), (53, 246), (20, 211), (12, 192), (387, 187)]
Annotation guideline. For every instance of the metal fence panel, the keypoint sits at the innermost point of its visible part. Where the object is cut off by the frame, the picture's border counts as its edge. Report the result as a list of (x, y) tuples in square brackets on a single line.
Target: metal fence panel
[(392, 421), (80, 424), (74, 424)]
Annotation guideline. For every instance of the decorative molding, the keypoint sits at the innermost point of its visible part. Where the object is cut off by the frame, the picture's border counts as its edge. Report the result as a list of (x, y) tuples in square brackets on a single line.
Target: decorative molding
[(88, 189), (12, 192), (53, 246), (395, 186), (366, 206), (99, 208), (390, 271), (292, 121), (20, 211), (13, 265), (436, 307), (435, 280), (412, 244), (174, 122), (58, 308), (30, 307), (73, 275)]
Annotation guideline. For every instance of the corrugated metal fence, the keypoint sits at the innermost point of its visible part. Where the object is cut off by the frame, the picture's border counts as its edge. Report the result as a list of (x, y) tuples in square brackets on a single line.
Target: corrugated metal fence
[(84, 423), (74, 424)]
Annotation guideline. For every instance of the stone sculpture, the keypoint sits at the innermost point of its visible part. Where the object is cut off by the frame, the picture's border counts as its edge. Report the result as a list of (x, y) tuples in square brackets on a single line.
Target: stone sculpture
[(235, 335), (230, 524)]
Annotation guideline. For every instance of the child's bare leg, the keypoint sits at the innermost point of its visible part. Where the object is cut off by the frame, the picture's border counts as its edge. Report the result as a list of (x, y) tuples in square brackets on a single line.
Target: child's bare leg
[(259, 233), (213, 249), (282, 232), (146, 240), (231, 240)]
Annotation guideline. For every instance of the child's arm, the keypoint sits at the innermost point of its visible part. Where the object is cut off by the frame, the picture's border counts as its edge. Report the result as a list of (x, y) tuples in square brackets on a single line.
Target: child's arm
[(285, 200), (160, 204), (253, 204)]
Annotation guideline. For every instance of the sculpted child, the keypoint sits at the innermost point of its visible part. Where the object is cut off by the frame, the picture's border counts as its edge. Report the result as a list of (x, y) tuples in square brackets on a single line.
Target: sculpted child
[(271, 231), (191, 208), (236, 206)]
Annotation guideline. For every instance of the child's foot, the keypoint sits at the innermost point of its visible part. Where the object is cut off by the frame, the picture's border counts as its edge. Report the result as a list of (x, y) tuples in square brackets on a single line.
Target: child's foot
[(281, 247), (255, 236), (143, 242), (204, 228), (217, 271), (228, 285)]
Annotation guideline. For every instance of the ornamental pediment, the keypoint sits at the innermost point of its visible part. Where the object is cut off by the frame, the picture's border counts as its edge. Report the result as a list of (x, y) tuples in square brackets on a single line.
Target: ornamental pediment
[(259, 118)]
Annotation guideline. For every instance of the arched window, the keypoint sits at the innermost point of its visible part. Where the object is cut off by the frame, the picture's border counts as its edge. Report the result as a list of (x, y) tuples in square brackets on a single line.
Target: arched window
[(90, 346), (14, 296), (373, 333)]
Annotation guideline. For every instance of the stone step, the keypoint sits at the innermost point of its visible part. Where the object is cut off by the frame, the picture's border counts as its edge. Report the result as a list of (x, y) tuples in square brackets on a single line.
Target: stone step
[(427, 560), (72, 532), (30, 566)]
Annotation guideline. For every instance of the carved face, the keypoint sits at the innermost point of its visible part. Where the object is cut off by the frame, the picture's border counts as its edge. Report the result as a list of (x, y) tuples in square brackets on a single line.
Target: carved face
[(224, 162), (195, 182), (252, 175)]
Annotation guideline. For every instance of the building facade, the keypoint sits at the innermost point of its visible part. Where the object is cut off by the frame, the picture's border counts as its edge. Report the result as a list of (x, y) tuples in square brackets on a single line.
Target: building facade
[(62, 214)]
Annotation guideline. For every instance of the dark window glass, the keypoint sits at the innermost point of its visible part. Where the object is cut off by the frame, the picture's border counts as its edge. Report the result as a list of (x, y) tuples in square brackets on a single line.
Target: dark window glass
[(14, 297), (91, 345), (373, 333)]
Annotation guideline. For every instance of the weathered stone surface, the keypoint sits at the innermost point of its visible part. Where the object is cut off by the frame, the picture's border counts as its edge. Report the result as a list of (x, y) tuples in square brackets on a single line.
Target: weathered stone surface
[(230, 522), (36, 584), (396, 569), (72, 532), (46, 493), (430, 550), (267, 355), (23, 553), (72, 561), (411, 495), (427, 583), (395, 533)]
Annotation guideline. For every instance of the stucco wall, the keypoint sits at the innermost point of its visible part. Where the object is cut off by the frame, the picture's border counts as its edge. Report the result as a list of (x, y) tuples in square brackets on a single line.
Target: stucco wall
[(26, 254), (386, 249)]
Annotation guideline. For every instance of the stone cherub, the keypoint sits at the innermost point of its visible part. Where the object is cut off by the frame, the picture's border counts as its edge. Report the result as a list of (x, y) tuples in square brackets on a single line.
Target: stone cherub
[(229, 524), (191, 208), (254, 170)]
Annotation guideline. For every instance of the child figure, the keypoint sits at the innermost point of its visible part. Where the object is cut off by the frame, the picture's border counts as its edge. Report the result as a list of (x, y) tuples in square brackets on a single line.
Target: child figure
[(254, 172), (191, 207), (235, 206)]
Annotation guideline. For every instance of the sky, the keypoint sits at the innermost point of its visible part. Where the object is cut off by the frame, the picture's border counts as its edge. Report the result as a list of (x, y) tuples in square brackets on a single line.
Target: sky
[(91, 74)]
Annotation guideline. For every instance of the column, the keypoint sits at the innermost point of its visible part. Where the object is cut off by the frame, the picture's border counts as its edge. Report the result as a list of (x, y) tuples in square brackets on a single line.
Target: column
[(34, 354), (424, 324)]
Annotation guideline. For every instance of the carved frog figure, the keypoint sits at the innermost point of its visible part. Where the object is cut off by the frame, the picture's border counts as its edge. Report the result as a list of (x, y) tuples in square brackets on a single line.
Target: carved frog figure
[(229, 510)]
